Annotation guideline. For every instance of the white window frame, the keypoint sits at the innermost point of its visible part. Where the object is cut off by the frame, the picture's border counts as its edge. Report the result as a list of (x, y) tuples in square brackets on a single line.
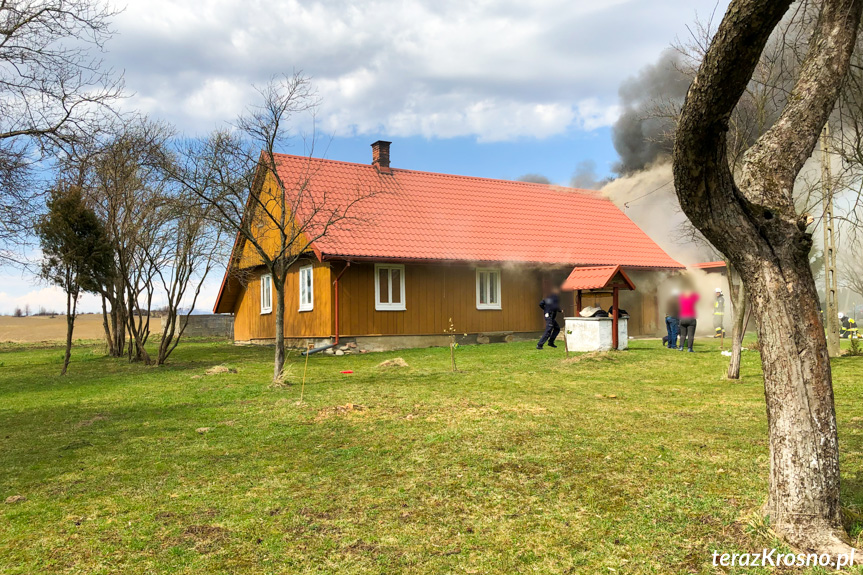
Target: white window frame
[(492, 273), (388, 306), (266, 306), (310, 305)]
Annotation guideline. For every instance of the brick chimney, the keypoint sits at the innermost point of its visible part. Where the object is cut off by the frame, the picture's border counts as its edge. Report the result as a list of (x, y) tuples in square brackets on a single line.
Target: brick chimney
[(381, 156)]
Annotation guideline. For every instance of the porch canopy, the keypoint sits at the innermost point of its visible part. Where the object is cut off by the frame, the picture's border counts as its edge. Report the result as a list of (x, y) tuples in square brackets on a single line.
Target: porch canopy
[(599, 278)]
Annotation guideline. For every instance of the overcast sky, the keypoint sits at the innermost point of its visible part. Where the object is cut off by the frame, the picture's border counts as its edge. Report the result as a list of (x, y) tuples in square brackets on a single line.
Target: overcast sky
[(494, 88)]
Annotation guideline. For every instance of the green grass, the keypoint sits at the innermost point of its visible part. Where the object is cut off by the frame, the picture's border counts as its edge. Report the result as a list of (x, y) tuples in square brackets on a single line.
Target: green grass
[(643, 461)]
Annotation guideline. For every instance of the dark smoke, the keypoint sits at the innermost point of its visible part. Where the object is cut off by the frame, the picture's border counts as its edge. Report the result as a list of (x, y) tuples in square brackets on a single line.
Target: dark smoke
[(534, 179), (642, 133), (585, 177)]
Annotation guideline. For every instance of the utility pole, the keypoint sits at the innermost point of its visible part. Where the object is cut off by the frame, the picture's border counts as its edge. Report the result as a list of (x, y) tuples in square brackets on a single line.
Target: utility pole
[(831, 308)]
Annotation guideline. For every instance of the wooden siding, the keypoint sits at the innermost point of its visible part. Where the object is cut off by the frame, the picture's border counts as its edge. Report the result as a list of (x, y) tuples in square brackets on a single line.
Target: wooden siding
[(264, 216), (433, 295), (250, 324)]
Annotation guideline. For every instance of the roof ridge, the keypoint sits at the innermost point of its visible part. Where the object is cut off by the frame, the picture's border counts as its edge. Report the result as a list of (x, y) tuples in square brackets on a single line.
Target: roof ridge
[(552, 187)]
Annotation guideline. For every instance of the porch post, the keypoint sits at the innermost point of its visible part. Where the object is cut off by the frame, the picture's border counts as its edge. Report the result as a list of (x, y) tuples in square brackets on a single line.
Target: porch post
[(614, 316)]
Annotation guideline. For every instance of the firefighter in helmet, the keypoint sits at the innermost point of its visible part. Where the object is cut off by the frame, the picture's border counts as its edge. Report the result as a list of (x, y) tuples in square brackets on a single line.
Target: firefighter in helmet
[(719, 313)]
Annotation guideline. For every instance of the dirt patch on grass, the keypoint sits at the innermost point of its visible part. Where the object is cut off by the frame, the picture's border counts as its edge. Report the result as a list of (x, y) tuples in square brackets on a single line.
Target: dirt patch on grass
[(339, 411), (395, 362), (361, 547), (219, 370), (91, 421), (206, 538), (593, 356)]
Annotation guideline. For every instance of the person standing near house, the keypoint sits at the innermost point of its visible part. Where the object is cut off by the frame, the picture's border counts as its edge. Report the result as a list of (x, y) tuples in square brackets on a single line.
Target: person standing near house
[(550, 306), (672, 318), (718, 313), (688, 321)]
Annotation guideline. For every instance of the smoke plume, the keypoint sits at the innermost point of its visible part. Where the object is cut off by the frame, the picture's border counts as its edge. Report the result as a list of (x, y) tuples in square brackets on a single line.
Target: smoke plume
[(534, 179), (642, 133), (649, 199), (584, 177)]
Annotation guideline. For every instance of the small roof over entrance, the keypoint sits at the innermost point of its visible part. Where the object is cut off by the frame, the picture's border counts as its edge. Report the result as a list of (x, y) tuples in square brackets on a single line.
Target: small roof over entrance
[(597, 277)]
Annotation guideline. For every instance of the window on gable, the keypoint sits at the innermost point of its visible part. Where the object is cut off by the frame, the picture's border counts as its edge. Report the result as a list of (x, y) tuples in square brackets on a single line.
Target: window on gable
[(487, 288), (307, 298), (266, 294), (389, 287)]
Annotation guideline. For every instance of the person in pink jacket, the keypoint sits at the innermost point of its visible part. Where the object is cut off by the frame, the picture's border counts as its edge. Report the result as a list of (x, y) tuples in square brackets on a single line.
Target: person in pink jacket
[(688, 319)]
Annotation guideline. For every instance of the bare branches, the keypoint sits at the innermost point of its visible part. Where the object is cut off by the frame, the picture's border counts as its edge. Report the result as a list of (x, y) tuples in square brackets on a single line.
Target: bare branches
[(276, 215), (54, 92), (809, 107)]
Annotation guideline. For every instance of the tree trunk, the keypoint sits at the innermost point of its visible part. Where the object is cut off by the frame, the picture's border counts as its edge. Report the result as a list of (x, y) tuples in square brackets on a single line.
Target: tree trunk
[(279, 288), (109, 339), (803, 501), (118, 326), (738, 329), (71, 311), (754, 223)]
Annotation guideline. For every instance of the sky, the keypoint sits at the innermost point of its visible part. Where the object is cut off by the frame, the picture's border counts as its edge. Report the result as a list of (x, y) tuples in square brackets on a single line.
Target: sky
[(491, 88)]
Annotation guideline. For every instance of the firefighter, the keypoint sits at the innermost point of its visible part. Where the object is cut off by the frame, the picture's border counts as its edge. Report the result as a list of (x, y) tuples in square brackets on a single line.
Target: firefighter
[(719, 313), (853, 330), (844, 326), (550, 307)]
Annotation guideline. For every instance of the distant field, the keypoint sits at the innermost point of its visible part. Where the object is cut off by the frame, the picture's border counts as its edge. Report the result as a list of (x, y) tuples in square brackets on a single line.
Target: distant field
[(35, 329), (46, 328)]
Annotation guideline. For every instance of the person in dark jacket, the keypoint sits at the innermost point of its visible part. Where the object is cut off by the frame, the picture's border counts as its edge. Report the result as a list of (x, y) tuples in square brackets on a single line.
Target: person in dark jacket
[(551, 307)]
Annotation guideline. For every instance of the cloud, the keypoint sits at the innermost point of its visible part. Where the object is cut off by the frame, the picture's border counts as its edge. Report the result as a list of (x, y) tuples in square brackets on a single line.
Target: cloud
[(434, 68)]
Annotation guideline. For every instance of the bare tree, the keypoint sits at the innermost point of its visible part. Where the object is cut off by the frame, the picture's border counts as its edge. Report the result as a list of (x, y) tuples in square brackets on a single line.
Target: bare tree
[(126, 184), (194, 247), (752, 220), (236, 172), (54, 91)]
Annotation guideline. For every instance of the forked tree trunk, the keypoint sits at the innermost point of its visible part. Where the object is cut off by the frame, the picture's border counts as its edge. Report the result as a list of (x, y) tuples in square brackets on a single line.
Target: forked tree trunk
[(755, 225)]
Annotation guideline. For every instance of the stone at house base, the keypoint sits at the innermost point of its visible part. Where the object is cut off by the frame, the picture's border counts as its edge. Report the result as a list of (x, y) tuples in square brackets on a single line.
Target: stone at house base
[(365, 344)]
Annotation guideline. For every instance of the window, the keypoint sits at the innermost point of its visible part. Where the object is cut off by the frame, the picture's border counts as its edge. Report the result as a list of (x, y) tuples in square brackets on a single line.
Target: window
[(266, 294), (487, 289), (390, 287), (307, 298)]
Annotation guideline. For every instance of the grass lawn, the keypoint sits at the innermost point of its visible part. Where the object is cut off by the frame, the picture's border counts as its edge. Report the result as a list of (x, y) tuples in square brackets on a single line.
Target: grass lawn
[(642, 461)]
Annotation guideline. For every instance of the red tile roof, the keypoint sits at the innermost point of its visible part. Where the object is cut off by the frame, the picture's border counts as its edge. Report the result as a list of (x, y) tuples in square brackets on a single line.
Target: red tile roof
[(595, 277), (709, 265), (426, 216)]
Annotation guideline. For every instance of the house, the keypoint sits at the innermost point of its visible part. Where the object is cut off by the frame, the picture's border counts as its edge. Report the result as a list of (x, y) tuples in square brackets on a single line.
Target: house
[(439, 249)]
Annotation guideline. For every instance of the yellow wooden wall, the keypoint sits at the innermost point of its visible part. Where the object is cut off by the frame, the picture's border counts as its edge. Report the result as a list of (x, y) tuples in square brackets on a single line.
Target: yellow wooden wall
[(262, 215), (249, 324), (433, 295)]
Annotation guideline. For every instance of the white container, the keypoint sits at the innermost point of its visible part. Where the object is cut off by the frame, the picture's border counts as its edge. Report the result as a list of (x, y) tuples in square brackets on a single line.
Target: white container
[(594, 333)]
